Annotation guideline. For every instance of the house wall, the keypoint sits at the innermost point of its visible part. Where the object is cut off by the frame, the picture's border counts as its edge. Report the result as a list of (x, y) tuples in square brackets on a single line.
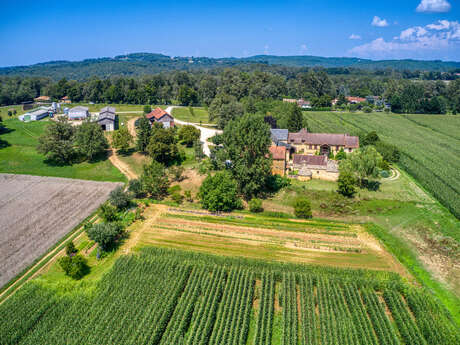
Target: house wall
[(279, 167), (325, 175), (78, 115), (305, 149)]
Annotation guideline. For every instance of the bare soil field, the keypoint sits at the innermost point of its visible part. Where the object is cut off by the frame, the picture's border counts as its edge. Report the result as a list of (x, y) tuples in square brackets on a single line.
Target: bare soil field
[(36, 212)]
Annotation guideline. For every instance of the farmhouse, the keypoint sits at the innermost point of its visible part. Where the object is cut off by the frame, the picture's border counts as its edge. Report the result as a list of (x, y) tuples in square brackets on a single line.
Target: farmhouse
[(78, 113), (106, 118), (322, 143), (356, 100), (161, 116), (307, 154), (314, 167)]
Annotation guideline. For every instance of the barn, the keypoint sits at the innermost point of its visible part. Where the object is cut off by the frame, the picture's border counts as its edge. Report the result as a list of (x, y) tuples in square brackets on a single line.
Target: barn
[(106, 118)]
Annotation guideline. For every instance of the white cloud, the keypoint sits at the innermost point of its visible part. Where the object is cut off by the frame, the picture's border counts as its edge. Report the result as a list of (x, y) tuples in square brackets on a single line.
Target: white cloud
[(354, 37), (442, 35), (431, 6), (266, 49), (303, 48), (377, 21)]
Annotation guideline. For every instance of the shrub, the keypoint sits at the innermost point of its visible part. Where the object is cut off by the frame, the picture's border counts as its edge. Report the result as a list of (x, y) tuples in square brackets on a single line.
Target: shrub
[(105, 234), (135, 188), (384, 173), (277, 182), (176, 173), (302, 208), (255, 205), (340, 155), (75, 267), (70, 248), (219, 192), (174, 189), (119, 198), (346, 184), (108, 212), (177, 197), (188, 196)]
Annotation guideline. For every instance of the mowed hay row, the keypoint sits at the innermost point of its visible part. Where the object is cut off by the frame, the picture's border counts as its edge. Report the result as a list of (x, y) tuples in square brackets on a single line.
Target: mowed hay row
[(219, 236), (35, 212), (174, 297)]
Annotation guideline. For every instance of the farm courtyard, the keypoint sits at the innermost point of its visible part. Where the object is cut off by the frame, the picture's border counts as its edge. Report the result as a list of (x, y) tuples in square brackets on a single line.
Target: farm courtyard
[(36, 212)]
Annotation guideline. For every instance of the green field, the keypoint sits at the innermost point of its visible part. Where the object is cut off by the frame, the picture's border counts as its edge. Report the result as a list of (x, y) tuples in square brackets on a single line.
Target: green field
[(173, 297), (199, 115), (21, 157), (429, 145)]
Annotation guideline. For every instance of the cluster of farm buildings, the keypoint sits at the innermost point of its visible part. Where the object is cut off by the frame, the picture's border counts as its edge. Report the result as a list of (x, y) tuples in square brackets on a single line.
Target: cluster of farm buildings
[(106, 117), (305, 155)]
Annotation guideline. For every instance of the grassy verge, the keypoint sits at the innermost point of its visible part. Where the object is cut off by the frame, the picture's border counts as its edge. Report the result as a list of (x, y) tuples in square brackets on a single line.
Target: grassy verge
[(197, 115), (405, 255)]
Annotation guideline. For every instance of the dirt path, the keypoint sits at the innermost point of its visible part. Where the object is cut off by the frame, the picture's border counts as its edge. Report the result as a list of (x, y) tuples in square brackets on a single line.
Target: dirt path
[(394, 176), (151, 215), (122, 166), (132, 127), (206, 133)]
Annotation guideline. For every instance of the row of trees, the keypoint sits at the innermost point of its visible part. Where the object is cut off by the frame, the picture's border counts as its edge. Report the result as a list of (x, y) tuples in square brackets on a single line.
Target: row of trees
[(201, 88)]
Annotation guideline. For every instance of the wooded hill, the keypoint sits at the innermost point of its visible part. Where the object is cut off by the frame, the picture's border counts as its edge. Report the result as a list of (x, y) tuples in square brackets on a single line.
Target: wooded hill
[(137, 64)]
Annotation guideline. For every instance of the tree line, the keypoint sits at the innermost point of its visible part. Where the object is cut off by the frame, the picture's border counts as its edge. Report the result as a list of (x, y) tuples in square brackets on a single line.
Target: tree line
[(193, 88)]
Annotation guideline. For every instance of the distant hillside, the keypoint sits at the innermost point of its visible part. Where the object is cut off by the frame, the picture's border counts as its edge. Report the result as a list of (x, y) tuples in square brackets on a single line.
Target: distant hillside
[(145, 63)]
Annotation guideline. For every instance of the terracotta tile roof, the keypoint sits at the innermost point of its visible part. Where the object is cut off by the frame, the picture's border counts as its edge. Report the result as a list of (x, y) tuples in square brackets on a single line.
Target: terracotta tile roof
[(310, 160), (304, 137), (278, 152), (158, 113), (42, 98), (356, 99), (65, 98)]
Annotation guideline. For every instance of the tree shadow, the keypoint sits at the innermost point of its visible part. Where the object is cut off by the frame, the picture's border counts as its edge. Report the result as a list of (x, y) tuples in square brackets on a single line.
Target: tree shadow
[(4, 143), (371, 185), (127, 153)]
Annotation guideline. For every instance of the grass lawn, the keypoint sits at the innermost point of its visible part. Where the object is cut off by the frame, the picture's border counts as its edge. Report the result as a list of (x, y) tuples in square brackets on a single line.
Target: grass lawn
[(199, 115), (21, 157), (4, 111)]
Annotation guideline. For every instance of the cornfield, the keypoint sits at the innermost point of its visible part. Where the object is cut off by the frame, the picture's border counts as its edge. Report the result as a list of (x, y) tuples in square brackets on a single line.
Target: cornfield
[(172, 297), (429, 145)]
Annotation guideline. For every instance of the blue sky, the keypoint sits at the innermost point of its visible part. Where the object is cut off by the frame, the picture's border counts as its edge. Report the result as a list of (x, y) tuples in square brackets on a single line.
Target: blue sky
[(39, 31)]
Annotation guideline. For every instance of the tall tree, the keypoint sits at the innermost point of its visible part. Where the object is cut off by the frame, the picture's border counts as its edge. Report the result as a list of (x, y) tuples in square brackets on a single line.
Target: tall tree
[(144, 132), (57, 141), (154, 180), (294, 118), (225, 108), (246, 141), (90, 140), (122, 139), (163, 146)]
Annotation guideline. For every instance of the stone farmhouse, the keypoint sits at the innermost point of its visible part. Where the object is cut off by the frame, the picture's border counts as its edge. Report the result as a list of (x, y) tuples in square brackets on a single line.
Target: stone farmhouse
[(306, 154), (161, 116)]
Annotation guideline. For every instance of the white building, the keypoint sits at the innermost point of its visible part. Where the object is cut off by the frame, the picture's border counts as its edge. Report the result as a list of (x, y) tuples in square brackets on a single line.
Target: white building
[(79, 113)]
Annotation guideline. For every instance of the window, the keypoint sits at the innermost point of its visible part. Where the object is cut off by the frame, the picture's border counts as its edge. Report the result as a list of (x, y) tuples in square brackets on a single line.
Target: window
[(349, 150)]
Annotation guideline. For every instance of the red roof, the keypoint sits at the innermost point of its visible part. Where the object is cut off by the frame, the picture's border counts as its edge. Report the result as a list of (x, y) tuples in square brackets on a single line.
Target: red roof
[(158, 113), (304, 137), (65, 98), (310, 160), (356, 99), (278, 152)]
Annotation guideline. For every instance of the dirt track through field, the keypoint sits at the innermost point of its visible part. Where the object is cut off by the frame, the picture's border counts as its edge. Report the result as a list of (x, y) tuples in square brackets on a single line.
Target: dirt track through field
[(35, 212), (124, 168)]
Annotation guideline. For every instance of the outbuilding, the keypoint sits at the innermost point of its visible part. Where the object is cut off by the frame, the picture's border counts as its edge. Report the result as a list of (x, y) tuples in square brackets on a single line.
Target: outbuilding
[(106, 118), (36, 114), (78, 113)]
